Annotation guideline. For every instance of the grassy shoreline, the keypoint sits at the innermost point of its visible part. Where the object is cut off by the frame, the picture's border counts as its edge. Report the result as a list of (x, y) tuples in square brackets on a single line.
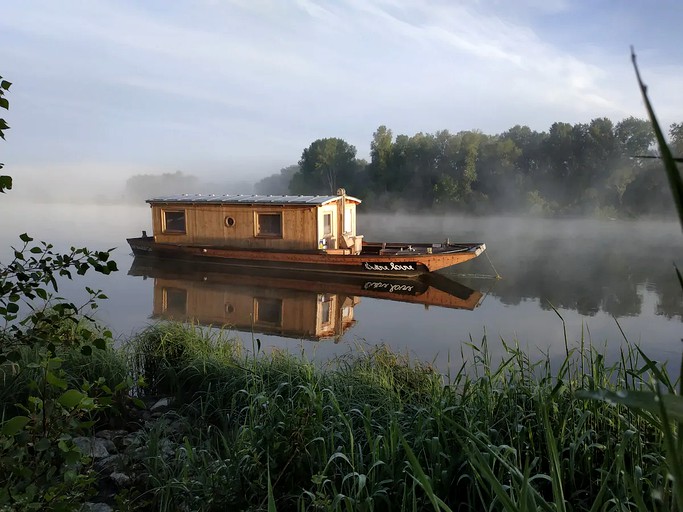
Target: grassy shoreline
[(373, 431)]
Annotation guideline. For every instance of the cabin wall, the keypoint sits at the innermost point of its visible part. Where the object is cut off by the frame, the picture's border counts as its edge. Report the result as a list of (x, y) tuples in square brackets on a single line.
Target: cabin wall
[(343, 222), (208, 224)]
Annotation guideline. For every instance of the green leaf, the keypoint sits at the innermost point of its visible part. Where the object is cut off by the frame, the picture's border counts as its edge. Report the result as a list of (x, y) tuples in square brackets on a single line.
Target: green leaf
[(4, 103), (43, 444), (14, 356), (5, 183), (72, 457), (86, 350), (14, 425), (25, 238), (100, 343), (55, 381), (5, 85), (643, 400), (71, 398), (12, 307), (674, 177)]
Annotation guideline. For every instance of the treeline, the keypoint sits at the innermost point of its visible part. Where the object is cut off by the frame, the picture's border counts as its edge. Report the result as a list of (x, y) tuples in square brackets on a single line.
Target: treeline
[(143, 186), (574, 169)]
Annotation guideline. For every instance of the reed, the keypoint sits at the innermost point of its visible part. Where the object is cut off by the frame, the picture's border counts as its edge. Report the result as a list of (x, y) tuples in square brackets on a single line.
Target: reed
[(377, 431)]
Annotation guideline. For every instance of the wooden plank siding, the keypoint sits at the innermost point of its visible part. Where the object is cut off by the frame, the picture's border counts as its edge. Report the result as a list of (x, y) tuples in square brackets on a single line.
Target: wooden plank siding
[(205, 224)]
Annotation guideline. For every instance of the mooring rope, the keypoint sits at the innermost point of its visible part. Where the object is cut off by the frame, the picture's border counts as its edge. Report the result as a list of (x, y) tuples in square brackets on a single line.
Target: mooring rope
[(484, 276)]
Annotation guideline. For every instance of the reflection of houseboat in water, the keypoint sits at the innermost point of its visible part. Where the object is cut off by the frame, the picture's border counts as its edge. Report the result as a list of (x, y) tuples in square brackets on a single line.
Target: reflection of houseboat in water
[(286, 304)]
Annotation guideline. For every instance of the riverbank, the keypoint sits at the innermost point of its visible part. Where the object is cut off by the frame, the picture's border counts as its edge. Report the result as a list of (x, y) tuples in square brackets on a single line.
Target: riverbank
[(181, 418)]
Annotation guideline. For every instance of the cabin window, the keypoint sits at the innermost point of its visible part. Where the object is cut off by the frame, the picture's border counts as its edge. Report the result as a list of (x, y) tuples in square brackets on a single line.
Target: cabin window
[(174, 302), (327, 224), (229, 221), (268, 311), (348, 221), (269, 224), (174, 221)]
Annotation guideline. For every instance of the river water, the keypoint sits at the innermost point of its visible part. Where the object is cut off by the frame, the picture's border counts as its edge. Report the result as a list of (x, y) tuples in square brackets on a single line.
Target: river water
[(589, 279)]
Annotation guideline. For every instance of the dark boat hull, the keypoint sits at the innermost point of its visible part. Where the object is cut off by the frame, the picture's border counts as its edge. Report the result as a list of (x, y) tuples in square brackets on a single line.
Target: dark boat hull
[(404, 260)]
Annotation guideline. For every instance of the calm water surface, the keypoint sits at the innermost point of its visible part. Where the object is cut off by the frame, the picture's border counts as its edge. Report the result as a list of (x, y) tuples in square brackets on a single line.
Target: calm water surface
[(594, 273)]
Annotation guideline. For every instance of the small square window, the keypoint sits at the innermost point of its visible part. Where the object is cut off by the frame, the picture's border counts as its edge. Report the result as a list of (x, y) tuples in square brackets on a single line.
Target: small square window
[(174, 221), (269, 224), (268, 311), (174, 302)]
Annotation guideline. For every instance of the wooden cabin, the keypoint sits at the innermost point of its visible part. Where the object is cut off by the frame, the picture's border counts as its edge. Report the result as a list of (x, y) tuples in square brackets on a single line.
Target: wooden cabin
[(265, 309), (284, 223)]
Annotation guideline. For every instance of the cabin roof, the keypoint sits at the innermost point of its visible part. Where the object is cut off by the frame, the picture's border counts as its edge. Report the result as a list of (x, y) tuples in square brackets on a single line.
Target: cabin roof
[(248, 199)]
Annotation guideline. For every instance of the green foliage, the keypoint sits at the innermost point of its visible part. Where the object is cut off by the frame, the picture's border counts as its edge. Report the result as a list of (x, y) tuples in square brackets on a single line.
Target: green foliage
[(674, 177), (661, 405), (324, 166), (5, 181), (277, 184), (580, 168), (143, 186), (42, 405), (377, 431)]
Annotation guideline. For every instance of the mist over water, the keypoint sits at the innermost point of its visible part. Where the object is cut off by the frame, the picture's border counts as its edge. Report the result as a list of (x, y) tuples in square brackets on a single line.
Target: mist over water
[(595, 273)]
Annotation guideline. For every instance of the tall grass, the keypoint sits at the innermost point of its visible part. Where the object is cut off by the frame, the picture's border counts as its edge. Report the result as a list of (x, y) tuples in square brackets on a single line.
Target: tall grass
[(379, 432)]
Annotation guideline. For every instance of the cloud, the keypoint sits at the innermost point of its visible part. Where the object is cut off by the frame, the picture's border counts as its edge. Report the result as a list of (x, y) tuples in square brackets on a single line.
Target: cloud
[(241, 80)]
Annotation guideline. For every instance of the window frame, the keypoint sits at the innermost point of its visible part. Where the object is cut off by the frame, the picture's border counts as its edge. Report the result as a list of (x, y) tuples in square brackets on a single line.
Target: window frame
[(164, 221), (349, 219), (257, 225), (329, 233), (269, 305), (170, 303)]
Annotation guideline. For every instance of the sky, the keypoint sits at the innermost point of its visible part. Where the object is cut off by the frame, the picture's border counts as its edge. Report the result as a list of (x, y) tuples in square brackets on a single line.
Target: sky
[(233, 90)]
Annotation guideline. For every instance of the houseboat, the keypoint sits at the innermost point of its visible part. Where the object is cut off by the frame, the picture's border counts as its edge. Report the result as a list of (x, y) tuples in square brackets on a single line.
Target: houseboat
[(313, 233)]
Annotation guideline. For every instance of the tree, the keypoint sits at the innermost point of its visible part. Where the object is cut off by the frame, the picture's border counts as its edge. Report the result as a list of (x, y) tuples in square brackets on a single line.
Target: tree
[(324, 165), (277, 183), (635, 136), (144, 186), (676, 134), (380, 167)]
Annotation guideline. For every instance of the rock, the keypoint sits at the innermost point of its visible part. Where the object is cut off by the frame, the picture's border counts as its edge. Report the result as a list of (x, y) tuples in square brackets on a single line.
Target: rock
[(162, 404), (96, 507), (120, 479), (111, 435), (110, 446), (92, 446), (109, 464), (131, 439)]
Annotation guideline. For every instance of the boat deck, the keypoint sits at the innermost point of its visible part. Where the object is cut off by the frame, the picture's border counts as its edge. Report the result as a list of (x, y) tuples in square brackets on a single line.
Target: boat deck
[(405, 249)]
